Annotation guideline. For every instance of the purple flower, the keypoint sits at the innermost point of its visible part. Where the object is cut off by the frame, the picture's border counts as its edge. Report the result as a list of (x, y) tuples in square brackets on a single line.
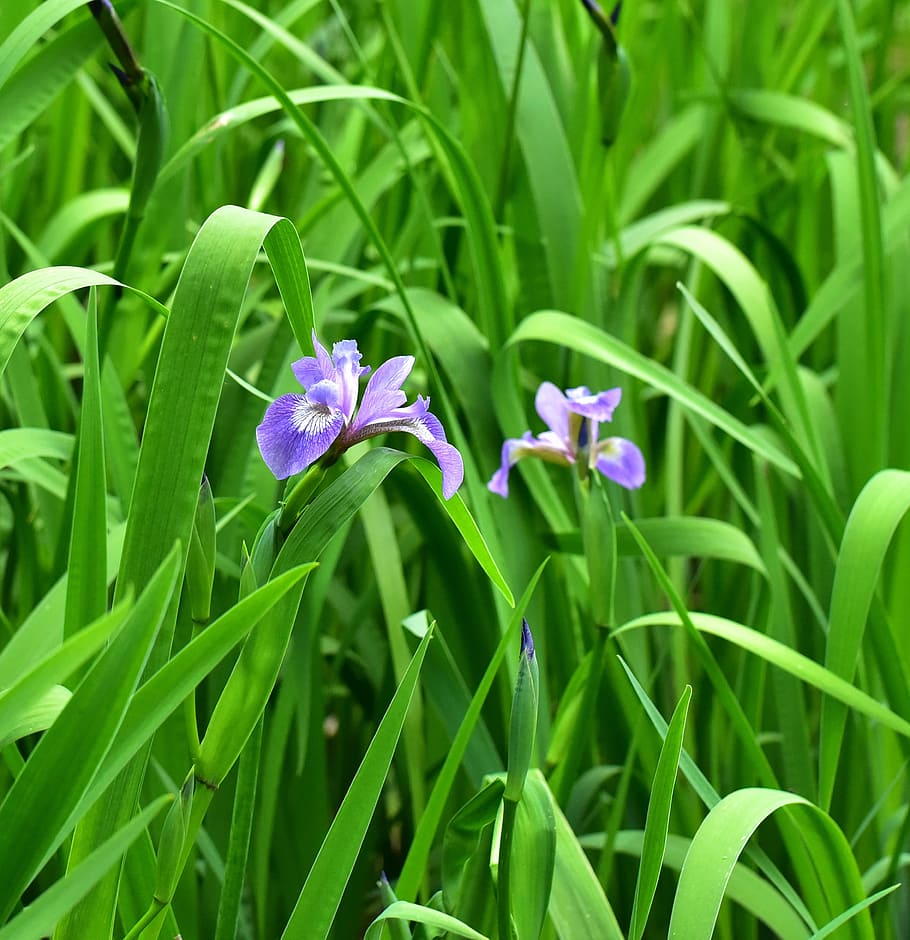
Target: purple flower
[(573, 419), (298, 430)]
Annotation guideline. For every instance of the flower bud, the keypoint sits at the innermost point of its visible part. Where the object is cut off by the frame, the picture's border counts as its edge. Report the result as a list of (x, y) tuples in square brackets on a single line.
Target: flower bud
[(523, 725)]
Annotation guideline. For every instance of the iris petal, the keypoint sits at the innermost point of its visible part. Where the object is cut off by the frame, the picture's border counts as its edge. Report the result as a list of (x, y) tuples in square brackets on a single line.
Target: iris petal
[(416, 419), (552, 406), (513, 449), (547, 446), (598, 407), (621, 461), (309, 370), (295, 432), (348, 370), (573, 420), (383, 392), (299, 429)]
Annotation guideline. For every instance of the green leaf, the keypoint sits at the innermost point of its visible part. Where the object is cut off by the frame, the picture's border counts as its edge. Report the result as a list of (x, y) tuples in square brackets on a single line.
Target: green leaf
[(710, 798), (188, 380), (717, 846), (467, 527), (551, 326), (19, 444), (24, 298), (56, 667), (870, 528), (35, 85), (864, 329), (320, 896), (422, 843), (41, 916), (86, 584), (156, 699), (533, 858), (40, 633), (834, 925), (36, 811), (38, 715), (464, 859), (747, 888), (658, 819), (578, 906), (785, 658), (405, 910), (25, 36), (681, 536)]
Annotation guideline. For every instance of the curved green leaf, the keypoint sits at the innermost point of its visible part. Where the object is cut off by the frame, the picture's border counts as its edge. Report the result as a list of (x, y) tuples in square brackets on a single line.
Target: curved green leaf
[(550, 326)]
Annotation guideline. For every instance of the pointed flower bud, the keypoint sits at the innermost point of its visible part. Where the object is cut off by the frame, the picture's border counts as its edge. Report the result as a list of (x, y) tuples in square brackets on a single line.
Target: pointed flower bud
[(523, 725)]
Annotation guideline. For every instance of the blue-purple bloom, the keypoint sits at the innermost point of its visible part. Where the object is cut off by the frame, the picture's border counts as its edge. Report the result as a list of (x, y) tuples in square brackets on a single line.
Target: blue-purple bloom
[(573, 419), (298, 430)]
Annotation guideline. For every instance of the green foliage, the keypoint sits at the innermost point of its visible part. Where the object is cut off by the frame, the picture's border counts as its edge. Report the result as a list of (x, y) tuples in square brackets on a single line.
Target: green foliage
[(703, 204)]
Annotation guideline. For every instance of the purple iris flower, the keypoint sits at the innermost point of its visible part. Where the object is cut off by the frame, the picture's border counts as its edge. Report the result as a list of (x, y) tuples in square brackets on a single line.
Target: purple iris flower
[(573, 419), (298, 430)]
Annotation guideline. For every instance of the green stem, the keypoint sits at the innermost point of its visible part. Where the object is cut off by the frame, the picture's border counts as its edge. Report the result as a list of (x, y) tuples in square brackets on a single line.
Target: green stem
[(299, 497), (509, 810), (191, 726), (156, 908)]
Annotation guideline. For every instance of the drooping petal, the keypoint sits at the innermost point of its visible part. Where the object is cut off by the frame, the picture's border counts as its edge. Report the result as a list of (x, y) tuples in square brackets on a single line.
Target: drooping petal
[(311, 370), (552, 406), (427, 428), (298, 429), (547, 446), (621, 461), (598, 407), (513, 449), (348, 370), (416, 419), (383, 392)]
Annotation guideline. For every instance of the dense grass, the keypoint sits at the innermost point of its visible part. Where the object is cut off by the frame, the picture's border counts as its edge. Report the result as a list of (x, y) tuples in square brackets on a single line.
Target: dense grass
[(227, 710)]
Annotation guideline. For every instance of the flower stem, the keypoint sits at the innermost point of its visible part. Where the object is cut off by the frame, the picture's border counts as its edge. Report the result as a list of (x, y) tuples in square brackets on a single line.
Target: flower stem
[(299, 497), (509, 810), (155, 909)]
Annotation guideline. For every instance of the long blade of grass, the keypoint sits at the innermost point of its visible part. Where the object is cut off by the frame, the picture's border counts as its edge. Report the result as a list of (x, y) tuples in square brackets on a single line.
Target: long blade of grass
[(421, 845), (863, 387), (658, 818), (717, 846), (41, 916), (578, 906), (188, 381), (86, 584), (785, 658), (870, 528), (36, 810), (320, 896)]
